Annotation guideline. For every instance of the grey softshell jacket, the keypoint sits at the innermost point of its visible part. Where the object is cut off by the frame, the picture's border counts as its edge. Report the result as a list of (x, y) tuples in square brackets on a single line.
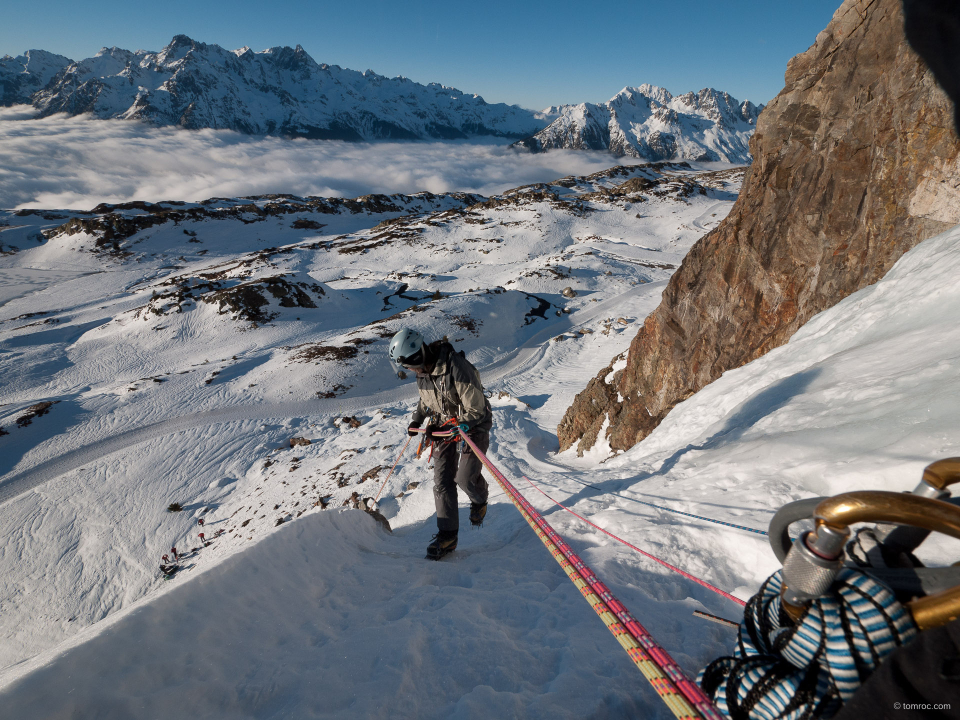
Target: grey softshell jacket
[(453, 389)]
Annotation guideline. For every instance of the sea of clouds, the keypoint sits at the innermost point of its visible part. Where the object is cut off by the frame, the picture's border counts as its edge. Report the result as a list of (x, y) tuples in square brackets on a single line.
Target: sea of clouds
[(77, 162)]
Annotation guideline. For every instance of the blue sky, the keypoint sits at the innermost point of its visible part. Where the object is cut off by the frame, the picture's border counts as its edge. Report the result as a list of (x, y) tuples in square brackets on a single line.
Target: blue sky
[(529, 53)]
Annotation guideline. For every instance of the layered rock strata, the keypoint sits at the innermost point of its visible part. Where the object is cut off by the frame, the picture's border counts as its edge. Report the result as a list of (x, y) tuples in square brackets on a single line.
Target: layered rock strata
[(855, 162)]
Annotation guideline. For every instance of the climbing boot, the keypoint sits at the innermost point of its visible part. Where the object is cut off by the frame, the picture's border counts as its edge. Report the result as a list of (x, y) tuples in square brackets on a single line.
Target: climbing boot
[(443, 544), (477, 513)]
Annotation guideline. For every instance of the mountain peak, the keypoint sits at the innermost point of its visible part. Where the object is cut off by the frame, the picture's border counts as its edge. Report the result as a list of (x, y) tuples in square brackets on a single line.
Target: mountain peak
[(648, 122), (654, 92), (181, 41)]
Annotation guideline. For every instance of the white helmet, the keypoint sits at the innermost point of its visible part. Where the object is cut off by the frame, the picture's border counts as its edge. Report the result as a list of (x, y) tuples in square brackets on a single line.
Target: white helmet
[(404, 345)]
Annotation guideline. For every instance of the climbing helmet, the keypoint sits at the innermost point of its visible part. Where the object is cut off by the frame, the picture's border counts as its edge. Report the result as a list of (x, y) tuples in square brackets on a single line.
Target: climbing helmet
[(406, 348)]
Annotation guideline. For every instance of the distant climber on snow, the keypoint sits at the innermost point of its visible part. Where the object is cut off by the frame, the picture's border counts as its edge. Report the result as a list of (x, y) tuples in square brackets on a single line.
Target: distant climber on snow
[(451, 394)]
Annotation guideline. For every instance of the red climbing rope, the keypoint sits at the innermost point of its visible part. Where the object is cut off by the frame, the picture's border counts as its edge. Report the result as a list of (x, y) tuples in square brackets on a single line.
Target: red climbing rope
[(384, 483), (684, 698), (685, 574)]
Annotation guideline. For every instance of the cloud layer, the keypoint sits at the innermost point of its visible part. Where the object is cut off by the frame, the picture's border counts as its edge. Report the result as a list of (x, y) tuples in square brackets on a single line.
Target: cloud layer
[(77, 162)]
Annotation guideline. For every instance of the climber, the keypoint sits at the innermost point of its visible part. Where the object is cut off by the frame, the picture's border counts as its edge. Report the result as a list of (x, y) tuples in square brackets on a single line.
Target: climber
[(168, 568), (450, 393)]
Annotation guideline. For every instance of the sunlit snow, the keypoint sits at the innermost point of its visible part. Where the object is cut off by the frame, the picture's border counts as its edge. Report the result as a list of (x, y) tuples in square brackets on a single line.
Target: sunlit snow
[(297, 611)]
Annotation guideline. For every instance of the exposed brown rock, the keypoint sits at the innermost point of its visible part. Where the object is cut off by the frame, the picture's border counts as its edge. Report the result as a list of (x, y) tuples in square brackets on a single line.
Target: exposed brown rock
[(35, 411), (855, 162)]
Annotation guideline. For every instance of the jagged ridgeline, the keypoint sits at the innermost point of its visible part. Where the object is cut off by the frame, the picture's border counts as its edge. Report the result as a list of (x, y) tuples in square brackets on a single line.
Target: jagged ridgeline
[(283, 91)]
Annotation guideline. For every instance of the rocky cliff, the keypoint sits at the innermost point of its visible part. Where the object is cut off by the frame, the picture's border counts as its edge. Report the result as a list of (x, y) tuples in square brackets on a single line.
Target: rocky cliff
[(855, 162)]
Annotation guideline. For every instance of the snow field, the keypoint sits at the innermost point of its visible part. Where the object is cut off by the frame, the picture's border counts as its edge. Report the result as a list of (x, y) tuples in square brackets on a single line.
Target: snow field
[(327, 615), (146, 402)]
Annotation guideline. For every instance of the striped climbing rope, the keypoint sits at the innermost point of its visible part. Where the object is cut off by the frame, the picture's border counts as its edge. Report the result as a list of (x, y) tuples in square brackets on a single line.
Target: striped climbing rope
[(677, 570), (677, 512), (684, 698), (808, 669)]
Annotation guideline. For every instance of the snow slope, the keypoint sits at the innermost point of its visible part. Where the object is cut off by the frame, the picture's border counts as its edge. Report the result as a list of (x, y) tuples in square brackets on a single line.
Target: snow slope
[(329, 615)]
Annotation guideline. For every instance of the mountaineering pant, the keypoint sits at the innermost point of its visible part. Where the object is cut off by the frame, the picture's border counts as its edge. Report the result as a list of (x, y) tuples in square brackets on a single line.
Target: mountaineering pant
[(453, 468)]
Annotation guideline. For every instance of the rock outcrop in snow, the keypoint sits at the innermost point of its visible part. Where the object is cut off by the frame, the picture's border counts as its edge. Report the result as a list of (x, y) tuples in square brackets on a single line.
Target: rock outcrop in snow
[(855, 163), (648, 122), (280, 91)]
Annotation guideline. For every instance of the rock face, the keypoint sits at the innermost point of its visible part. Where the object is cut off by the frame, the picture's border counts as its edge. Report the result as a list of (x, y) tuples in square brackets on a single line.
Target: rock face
[(648, 122), (855, 162)]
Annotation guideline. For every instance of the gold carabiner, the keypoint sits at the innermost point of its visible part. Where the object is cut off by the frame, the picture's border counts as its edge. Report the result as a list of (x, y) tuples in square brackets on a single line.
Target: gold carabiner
[(942, 473), (841, 511)]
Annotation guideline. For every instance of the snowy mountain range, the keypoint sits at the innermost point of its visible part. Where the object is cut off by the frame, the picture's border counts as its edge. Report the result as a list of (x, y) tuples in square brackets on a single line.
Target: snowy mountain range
[(648, 122), (280, 91), (283, 91)]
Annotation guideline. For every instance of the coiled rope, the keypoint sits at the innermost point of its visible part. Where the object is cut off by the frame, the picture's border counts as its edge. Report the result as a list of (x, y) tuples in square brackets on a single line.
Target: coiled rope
[(667, 565), (684, 698), (808, 669)]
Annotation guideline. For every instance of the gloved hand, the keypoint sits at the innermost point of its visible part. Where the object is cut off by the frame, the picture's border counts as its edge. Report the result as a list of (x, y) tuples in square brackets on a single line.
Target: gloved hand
[(412, 429), (430, 430)]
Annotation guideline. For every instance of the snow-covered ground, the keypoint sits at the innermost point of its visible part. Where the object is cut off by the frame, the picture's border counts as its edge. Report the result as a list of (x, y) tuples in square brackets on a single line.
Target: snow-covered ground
[(297, 611)]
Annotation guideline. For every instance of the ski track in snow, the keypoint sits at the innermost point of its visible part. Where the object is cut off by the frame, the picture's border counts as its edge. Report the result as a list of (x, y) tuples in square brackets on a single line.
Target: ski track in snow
[(329, 616)]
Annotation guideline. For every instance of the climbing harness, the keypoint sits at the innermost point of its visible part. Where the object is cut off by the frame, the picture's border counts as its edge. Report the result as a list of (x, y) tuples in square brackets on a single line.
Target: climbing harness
[(667, 565), (684, 698), (820, 626)]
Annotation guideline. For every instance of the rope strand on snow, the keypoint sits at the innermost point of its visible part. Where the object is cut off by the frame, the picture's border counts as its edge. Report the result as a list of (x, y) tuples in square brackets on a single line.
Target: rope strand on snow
[(384, 483), (684, 698), (677, 512), (677, 570)]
